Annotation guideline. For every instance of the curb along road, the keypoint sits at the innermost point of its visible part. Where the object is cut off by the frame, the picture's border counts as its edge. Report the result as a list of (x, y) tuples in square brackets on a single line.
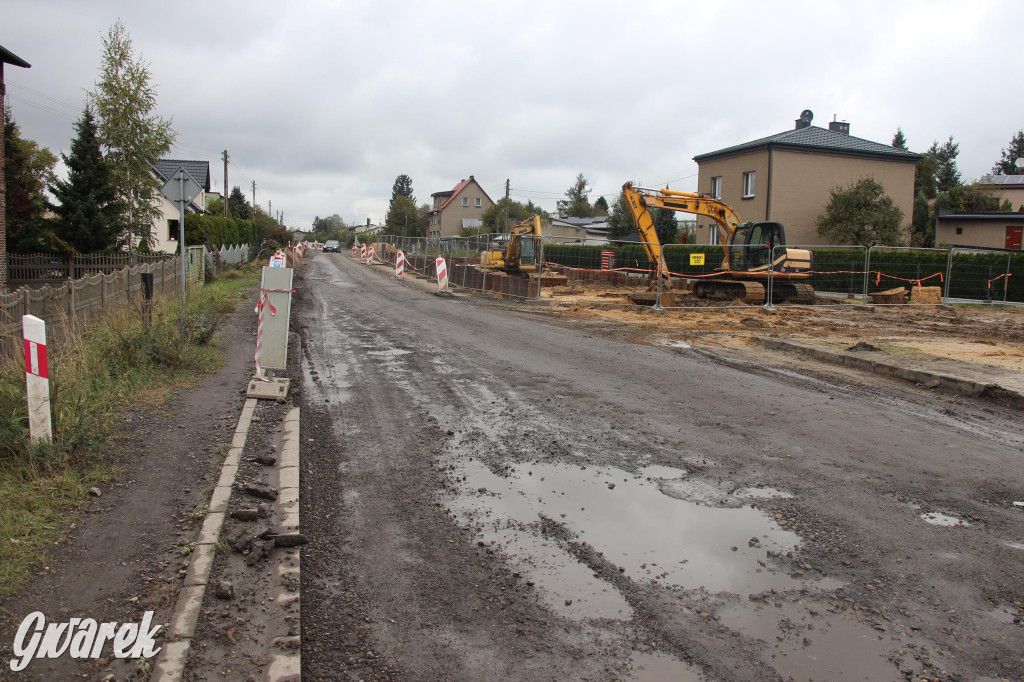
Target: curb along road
[(285, 662)]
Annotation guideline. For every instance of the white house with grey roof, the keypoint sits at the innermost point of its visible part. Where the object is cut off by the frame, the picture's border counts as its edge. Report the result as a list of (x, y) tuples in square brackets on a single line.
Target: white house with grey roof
[(788, 177), (165, 226)]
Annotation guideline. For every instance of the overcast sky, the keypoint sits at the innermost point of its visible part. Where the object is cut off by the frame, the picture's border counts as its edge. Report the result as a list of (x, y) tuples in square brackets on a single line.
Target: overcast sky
[(322, 104)]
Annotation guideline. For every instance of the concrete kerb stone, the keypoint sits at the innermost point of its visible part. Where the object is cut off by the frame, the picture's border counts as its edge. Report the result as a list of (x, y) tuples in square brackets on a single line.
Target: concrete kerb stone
[(286, 661), (930, 379), (170, 663)]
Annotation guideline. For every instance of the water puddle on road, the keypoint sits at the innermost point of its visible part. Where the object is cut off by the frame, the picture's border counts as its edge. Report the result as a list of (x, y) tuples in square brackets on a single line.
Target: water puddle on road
[(937, 519), (662, 668), (806, 644), (652, 537)]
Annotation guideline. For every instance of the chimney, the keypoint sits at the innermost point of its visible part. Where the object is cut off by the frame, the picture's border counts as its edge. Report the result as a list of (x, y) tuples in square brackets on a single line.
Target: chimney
[(841, 127), (367, 222)]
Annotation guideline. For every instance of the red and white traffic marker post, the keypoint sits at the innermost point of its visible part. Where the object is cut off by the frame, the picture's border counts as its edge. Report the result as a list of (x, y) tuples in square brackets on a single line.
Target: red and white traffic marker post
[(442, 274), (400, 264), (369, 256), (37, 379)]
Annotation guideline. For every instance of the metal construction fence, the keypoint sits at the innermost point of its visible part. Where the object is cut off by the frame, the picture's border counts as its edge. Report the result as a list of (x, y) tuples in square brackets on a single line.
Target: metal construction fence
[(838, 274)]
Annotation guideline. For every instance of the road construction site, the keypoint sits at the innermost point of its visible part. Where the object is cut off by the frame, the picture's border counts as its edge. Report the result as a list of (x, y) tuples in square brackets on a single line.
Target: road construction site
[(577, 490)]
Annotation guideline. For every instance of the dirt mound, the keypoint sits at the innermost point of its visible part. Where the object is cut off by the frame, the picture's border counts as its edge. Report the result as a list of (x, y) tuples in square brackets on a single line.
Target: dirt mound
[(863, 346)]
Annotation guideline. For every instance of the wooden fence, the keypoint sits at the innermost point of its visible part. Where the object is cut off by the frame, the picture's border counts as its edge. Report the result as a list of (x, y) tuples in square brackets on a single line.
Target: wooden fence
[(74, 304), (40, 269)]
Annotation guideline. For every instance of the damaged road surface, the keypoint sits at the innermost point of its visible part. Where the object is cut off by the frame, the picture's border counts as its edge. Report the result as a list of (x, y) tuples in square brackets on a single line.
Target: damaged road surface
[(492, 493)]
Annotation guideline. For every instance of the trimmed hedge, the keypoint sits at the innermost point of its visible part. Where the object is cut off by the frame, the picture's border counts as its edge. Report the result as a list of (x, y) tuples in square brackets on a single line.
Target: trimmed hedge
[(219, 231), (974, 275)]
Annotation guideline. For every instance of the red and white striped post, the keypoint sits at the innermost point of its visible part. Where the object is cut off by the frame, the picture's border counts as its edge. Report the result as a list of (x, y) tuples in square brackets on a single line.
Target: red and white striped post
[(400, 264), (369, 256), (261, 306), (37, 379), (362, 250), (442, 274)]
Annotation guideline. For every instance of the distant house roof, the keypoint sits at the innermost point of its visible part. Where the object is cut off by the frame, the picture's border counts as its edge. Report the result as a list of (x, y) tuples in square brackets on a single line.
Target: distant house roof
[(454, 191), (199, 170), (998, 216), (584, 222), (8, 57), (813, 138), (1003, 180)]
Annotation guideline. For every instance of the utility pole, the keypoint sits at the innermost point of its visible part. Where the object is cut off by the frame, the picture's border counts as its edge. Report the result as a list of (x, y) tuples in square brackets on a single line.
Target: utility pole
[(226, 214), (270, 208), (254, 200), (506, 204)]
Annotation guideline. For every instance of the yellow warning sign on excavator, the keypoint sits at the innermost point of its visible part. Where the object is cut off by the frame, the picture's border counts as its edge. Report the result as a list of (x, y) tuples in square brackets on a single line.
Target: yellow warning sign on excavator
[(696, 259)]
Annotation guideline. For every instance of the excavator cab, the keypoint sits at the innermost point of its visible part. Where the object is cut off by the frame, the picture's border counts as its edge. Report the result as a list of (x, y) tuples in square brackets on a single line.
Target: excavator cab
[(752, 245)]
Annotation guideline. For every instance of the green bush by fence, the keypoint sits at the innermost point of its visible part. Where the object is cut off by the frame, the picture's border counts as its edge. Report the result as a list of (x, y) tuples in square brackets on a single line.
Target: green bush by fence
[(220, 231)]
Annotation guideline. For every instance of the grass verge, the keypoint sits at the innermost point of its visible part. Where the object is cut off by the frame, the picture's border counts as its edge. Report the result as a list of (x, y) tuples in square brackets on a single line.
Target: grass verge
[(119, 361)]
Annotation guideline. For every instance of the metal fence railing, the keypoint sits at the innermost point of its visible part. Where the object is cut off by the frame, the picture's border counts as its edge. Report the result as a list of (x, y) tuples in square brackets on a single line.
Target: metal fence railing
[(839, 275)]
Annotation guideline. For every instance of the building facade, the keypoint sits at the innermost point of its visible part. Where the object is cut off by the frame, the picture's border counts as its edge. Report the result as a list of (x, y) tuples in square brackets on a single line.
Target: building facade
[(467, 200), (166, 225), (789, 177)]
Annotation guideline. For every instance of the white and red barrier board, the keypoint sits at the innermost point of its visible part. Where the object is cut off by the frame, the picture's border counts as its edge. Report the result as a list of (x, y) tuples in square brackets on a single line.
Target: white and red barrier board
[(369, 256), (362, 250), (442, 274), (37, 378), (399, 264), (278, 260)]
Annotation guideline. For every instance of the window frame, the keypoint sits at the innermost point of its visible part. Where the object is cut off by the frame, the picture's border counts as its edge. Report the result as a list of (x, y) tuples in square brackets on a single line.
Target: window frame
[(749, 184), (716, 187), (465, 201)]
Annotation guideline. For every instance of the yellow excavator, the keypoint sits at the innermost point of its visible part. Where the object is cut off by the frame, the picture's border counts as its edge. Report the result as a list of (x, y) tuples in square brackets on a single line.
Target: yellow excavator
[(748, 249), (522, 250)]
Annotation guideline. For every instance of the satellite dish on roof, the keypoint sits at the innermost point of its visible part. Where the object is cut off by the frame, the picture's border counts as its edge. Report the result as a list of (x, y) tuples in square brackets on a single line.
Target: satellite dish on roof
[(807, 116), (1019, 163)]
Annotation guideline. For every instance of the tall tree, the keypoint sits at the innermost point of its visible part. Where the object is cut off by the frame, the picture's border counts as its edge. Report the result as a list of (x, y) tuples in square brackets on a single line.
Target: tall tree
[(922, 228), (899, 140), (577, 200), (1007, 163), (665, 225), (132, 134), (27, 170), (620, 222), (87, 212), (494, 216), (401, 188), (238, 207), (402, 217), (947, 175), (862, 214), (601, 206)]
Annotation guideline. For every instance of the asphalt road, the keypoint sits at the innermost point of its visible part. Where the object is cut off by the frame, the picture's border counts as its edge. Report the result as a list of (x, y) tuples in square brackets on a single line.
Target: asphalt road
[(492, 492)]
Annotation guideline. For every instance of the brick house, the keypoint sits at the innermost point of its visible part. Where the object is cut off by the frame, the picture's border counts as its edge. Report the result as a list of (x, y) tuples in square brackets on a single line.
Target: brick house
[(788, 177), (467, 200)]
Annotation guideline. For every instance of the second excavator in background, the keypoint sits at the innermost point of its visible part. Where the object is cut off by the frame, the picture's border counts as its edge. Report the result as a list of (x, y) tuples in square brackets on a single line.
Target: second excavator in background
[(522, 250), (749, 249)]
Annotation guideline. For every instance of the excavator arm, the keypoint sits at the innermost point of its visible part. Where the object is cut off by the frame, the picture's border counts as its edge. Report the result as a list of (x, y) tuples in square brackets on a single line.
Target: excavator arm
[(640, 201)]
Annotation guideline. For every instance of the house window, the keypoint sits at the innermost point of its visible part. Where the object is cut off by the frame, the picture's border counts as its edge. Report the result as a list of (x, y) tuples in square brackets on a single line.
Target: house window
[(465, 201), (172, 230), (748, 185), (713, 235), (716, 187), (959, 230), (478, 202)]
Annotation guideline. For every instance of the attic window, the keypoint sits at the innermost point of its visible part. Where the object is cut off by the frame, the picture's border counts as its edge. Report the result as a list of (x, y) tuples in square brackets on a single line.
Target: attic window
[(478, 202), (465, 201)]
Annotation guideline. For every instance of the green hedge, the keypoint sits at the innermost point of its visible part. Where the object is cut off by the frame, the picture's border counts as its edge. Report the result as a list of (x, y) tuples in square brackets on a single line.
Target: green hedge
[(217, 231), (838, 270)]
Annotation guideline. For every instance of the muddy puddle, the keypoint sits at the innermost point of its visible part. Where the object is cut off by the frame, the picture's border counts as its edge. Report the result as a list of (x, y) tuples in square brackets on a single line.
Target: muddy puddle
[(938, 519), (654, 667), (804, 642), (653, 538)]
